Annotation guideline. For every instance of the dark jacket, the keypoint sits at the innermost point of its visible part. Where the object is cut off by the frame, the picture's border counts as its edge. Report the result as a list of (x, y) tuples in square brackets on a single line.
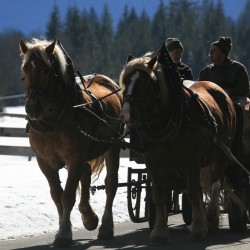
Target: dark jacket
[(185, 71), (232, 77)]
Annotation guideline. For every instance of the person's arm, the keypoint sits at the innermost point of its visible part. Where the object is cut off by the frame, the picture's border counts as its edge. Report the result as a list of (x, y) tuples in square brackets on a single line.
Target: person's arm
[(203, 75), (241, 85)]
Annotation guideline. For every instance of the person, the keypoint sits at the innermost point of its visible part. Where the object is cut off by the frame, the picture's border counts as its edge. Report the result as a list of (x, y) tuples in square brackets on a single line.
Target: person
[(233, 77), (175, 49)]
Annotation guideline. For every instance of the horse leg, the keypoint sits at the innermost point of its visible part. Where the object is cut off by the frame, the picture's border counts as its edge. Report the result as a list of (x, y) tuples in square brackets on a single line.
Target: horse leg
[(89, 218), (106, 230), (53, 179), (213, 209), (159, 234), (63, 237), (199, 224)]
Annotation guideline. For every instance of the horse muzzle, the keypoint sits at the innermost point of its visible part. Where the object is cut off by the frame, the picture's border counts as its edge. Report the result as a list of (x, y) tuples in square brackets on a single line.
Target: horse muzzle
[(125, 113), (33, 111)]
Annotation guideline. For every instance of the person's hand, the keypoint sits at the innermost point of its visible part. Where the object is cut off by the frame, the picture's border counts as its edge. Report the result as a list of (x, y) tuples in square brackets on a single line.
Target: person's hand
[(184, 71)]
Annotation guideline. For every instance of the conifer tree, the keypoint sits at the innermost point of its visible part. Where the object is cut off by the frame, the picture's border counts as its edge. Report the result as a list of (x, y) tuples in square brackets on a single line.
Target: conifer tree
[(104, 52), (243, 33), (54, 27)]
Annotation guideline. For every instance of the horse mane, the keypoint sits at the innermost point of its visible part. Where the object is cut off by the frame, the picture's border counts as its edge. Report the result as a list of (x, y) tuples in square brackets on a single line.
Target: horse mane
[(38, 46), (140, 63)]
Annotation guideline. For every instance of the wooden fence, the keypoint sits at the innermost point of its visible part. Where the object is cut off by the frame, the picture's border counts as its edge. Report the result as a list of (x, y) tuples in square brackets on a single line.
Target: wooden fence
[(16, 147), (17, 143)]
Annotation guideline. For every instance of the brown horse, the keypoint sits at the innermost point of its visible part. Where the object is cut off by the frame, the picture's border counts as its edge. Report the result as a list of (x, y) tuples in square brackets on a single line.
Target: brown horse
[(181, 130), (76, 138)]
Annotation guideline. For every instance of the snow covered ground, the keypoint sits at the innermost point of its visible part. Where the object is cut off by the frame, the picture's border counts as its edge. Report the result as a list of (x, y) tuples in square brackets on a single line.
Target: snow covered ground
[(26, 207)]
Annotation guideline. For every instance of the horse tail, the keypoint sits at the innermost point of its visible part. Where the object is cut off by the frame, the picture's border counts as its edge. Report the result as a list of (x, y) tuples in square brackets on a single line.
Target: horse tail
[(97, 165)]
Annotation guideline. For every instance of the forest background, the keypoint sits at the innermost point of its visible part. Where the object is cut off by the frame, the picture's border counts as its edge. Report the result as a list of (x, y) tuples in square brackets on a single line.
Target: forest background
[(96, 46)]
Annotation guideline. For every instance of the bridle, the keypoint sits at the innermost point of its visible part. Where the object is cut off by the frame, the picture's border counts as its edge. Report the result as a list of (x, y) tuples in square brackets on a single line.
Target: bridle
[(48, 95), (166, 124), (54, 74)]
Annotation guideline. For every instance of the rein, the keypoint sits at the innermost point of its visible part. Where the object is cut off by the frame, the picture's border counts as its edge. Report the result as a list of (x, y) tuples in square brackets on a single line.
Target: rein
[(50, 127), (73, 97), (214, 139), (112, 140), (174, 121), (97, 99)]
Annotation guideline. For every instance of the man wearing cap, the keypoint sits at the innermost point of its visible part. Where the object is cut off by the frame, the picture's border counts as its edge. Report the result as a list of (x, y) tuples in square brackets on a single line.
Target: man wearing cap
[(232, 76), (175, 49)]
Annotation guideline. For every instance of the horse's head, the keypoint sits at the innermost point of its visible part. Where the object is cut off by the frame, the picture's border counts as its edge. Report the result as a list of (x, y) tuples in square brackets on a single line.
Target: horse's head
[(141, 81), (43, 67)]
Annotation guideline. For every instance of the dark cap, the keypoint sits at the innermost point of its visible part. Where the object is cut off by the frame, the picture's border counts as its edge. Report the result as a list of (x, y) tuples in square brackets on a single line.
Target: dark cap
[(173, 43), (224, 44)]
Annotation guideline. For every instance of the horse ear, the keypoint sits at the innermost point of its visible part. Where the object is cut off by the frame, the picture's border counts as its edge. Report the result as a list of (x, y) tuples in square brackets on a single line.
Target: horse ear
[(152, 62), (50, 48), (23, 47), (129, 58)]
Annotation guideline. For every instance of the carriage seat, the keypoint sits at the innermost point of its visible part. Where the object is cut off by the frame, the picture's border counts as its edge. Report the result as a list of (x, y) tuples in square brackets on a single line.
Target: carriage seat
[(188, 83), (86, 78)]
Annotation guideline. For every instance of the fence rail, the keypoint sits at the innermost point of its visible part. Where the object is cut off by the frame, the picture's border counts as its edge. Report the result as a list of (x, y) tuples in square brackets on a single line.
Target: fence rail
[(12, 115), (21, 132), (13, 132)]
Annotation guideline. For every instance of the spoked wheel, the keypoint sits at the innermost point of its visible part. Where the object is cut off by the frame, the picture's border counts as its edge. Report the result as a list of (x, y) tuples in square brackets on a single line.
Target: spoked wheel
[(138, 189), (248, 205), (238, 207), (237, 222)]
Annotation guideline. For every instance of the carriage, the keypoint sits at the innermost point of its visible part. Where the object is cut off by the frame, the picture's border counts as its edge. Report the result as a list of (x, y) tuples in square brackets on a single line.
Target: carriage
[(79, 126), (141, 207)]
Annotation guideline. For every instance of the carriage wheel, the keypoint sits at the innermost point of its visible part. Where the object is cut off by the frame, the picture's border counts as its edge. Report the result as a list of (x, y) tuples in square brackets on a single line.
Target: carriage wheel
[(186, 210), (247, 199), (239, 181), (236, 223), (248, 205), (237, 226)]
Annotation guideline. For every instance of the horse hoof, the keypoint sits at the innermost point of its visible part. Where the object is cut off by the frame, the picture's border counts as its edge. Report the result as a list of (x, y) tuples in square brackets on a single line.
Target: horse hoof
[(105, 235), (62, 242), (158, 241), (91, 224)]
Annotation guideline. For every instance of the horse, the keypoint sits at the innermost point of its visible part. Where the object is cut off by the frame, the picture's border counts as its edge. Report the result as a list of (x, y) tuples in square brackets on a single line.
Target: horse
[(70, 125), (183, 130)]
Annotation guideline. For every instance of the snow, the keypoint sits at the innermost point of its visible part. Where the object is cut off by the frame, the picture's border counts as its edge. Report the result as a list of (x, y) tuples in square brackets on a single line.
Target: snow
[(26, 207)]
